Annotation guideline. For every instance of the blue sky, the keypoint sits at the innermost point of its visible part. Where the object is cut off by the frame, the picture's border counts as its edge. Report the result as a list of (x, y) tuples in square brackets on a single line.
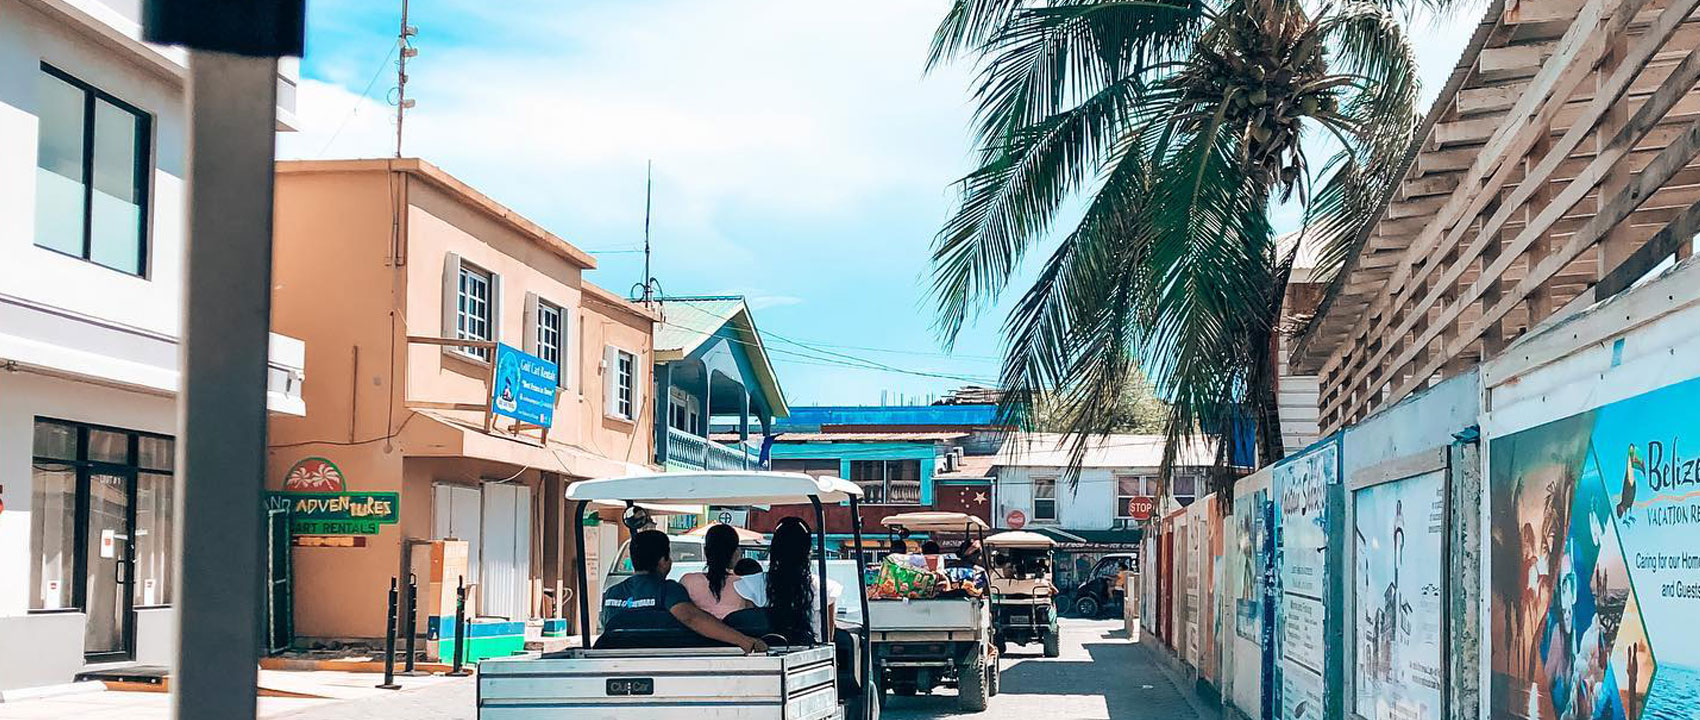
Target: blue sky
[(801, 157)]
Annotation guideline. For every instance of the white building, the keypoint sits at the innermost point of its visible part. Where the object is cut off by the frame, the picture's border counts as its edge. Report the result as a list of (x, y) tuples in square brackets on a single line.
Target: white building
[(92, 164), (1033, 488)]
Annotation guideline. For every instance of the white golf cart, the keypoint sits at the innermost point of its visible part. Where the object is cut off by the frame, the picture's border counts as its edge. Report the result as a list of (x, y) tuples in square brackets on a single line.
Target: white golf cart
[(659, 670), (919, 645), (1024, 607)]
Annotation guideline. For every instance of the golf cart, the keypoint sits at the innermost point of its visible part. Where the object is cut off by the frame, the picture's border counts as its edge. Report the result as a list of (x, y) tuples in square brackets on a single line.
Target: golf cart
[(921, 644), (647, 665), (1099, 592), (1023, 599)]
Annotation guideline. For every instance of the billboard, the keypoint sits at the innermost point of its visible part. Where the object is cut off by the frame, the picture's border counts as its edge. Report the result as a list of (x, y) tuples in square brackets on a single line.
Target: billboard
[(1398, 534), (1595, 578), (523, 387), (1303, 485)]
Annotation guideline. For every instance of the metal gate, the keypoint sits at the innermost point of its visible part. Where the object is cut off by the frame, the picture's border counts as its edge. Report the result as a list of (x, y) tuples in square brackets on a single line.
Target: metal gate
[(280, 582)]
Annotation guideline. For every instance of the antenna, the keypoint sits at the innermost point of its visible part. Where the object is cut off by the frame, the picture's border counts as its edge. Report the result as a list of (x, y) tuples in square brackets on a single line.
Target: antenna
[(402, 104), (649, 287)]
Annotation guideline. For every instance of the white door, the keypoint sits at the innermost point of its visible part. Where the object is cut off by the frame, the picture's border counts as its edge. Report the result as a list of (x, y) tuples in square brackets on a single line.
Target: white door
[(455, 514), (506, 551)]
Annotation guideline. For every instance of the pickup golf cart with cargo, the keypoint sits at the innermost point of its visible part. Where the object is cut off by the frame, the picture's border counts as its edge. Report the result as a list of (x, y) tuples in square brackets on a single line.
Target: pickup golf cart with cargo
[(1024, 606), (1099, 592), (921, 644), (647, 666)]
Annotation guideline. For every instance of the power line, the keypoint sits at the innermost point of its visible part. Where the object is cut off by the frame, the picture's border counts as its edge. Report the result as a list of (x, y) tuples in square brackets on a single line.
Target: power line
[(364, 94), (841, 360)]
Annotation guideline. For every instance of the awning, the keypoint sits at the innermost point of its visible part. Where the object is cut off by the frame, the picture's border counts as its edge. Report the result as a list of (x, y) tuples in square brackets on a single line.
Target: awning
[(431, 433)]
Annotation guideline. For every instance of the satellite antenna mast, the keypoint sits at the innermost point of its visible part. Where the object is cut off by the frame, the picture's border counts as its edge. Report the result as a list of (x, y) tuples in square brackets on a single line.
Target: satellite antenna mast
[(402, 103), (646, 290)]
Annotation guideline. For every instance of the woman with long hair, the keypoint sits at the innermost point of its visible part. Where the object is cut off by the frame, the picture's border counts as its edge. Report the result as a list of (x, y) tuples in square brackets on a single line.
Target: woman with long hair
[(789, 589), (710, 589)]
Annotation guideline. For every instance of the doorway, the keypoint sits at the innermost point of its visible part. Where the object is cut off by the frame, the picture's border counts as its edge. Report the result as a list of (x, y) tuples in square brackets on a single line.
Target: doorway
[(101, 529)]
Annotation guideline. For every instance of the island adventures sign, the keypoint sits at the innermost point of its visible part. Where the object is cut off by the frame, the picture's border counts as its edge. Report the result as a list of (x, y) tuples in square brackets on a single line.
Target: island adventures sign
[(316, 497)]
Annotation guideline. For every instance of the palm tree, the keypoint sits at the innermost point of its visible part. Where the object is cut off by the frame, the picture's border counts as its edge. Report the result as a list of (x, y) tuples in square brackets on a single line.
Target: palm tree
[(1170, 127)]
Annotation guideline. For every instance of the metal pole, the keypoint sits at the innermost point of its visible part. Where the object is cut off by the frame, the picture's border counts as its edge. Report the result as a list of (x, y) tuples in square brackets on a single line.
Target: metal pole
[(412, 625), (870, 689), (820, 558), (459, 668), (583, 574), (221, 428), (389, 639)]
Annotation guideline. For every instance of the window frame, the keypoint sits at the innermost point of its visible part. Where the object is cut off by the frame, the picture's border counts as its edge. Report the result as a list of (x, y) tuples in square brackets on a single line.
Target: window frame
[(625, 384), (141, 173), (1051, 482), (559, 329), (885, 480), (82, 468), (1147, 483), (463, 316)]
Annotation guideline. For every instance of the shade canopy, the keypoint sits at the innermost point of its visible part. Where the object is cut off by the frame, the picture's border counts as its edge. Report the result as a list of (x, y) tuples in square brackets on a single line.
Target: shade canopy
[(1020, 539), (727, 487), (935, 521)]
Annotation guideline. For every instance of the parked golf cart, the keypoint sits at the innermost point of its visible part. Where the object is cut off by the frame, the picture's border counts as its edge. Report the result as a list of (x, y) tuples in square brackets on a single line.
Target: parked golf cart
[(658, 669), (1023, 599), (921, 644), (1099, 593)]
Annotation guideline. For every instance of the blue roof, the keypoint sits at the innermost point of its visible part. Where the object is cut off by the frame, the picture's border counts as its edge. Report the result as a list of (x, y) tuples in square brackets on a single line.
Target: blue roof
[(813, 416)]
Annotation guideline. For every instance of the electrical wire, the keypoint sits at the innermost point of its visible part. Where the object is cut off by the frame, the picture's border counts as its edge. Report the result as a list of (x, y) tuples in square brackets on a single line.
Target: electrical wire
[(352, 111)]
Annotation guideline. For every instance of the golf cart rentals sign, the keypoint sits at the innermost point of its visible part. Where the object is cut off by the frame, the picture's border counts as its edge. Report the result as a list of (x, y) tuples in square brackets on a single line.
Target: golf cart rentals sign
[(524, 387), (315, 496)]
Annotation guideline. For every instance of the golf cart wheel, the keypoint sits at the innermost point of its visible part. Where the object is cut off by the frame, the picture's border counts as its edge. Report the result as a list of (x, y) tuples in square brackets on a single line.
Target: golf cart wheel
[(903, 690), (1003, 645), (994, 677), (1053, 644), (1087, 606), (971, 685)]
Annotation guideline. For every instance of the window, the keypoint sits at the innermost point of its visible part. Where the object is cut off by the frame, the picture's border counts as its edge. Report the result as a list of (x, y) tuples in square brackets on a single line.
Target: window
[(1129, 487), (473, 319), (551, 334), (624, 384), (1183, 488), (92, 168), (813, 467), (1045, 498), (683, 411), (888, 482), (87, 480)]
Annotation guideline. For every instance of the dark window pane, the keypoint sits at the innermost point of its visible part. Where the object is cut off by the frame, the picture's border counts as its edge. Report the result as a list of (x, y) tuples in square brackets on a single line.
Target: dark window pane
[(155, 453), (153, 538), (59, 196), (54, 440), (115, 230), (53, 504), (108, 446)]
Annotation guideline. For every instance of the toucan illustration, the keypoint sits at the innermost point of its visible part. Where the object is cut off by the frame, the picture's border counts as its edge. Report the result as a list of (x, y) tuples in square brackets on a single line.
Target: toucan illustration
[(1626, 501)]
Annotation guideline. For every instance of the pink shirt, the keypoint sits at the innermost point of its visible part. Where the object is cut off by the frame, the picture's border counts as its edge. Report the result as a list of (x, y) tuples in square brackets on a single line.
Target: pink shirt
[(730, 601)]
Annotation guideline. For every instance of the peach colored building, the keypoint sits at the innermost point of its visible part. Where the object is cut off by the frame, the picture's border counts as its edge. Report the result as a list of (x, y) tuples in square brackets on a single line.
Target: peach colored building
[(374, 260)]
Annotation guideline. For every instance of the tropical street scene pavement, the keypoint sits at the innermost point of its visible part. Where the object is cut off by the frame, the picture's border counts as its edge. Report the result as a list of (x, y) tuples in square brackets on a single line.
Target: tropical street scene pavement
[(780, 360)]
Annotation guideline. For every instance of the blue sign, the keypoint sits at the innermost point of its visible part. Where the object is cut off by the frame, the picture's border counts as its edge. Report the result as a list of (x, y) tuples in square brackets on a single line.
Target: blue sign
[(524, 388)]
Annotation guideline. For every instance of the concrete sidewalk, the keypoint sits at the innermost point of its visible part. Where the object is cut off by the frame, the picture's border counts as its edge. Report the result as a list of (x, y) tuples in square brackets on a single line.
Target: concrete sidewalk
[(332, 691)]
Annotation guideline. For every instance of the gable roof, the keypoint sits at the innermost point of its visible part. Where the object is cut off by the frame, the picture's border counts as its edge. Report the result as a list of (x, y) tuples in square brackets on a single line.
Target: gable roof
[(1054, 450), (945, 416), (688, 322)]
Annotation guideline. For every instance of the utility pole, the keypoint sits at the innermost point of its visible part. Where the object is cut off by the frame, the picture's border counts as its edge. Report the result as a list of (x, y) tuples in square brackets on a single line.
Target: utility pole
[(402, 104), (646, 290)]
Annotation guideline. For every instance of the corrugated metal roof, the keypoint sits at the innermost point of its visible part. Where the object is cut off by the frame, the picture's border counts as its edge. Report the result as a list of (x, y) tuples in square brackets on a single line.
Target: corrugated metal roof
[(813, 417), (683, 329), (869, 437), (1113, 451)]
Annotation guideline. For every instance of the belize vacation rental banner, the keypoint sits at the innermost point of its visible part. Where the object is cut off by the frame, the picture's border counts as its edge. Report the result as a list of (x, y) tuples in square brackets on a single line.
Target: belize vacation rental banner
[(1595, 601)]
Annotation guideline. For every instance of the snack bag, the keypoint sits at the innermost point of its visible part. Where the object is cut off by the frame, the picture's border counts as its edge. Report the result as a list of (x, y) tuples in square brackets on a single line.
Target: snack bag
[(901, 577)]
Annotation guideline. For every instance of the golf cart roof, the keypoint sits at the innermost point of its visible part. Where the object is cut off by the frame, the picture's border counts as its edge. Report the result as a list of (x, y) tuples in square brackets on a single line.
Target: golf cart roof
[(935, 521), (725, 487), (1020, 539)]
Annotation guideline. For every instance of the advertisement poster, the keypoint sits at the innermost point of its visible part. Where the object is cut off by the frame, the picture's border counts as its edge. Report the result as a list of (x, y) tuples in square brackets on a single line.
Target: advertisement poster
[(524, 387), (1302, 485), (1398, 533), (1252, 557), (1595, 528)]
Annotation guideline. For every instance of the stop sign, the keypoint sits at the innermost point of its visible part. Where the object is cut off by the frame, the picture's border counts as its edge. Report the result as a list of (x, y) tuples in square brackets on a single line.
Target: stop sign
[(1140, 507), (1016, 519)]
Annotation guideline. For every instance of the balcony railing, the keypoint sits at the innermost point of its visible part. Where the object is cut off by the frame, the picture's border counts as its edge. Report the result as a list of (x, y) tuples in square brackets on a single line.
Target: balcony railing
[(695, 451)]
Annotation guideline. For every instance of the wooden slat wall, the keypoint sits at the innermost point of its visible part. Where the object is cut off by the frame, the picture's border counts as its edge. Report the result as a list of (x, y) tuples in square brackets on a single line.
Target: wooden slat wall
[(1562, 169)]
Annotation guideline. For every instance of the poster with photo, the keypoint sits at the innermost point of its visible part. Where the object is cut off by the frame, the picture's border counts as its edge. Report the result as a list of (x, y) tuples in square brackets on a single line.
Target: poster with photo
[(1397, 537), (1595, 551), (1302, 485)]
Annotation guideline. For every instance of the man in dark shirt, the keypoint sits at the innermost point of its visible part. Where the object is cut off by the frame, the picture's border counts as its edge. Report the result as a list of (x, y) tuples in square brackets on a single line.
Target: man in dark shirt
[(649, 589)]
